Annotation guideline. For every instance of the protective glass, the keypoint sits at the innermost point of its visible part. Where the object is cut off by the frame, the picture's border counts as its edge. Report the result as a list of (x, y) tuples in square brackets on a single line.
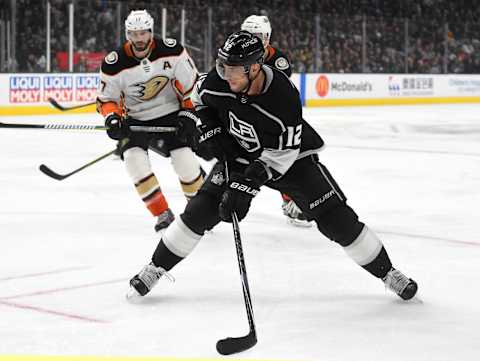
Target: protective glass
[(230, 71)]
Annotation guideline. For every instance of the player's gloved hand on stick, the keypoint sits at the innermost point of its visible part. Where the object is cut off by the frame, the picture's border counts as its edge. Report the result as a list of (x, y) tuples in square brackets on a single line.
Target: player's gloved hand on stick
[(238, 196), (214, 142), (187, 127), (117, 128)]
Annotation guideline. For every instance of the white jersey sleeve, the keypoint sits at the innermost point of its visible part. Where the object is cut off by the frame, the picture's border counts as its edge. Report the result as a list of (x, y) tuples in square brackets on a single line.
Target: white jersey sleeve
[(110, 89), (185, 74)]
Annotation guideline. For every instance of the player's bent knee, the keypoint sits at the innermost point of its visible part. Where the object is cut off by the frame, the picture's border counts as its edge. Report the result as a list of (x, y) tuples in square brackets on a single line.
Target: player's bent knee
[(201, 213), (340, 224), (137, 163), (185, 164)]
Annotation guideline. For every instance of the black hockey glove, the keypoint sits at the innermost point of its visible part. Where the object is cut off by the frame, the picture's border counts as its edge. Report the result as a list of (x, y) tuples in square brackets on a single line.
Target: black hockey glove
[(215, 142), (237, 197), (187, 127), (117, 128), (210, 141)]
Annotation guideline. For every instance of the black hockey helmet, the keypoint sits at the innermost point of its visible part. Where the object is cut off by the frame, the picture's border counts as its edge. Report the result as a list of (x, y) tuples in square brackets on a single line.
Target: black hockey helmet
[(240, 48)]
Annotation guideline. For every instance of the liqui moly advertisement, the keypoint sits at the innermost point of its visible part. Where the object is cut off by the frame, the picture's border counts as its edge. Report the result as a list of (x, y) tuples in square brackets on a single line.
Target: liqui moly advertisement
[(36, 89)]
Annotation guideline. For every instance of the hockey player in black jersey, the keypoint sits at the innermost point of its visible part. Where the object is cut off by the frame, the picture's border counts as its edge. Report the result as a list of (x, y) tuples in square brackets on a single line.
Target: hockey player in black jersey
[(250, 116), (259, 25)]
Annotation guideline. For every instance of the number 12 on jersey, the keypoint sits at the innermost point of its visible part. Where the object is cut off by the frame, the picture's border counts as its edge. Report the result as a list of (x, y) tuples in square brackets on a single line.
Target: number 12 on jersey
[(294, 134)]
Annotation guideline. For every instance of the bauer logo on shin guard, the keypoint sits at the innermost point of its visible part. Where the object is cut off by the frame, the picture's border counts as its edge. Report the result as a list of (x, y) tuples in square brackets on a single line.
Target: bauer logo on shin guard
[(322, 199)]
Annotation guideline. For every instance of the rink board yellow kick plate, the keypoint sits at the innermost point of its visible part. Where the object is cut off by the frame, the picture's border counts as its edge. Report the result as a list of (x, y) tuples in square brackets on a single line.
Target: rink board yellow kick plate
[(42, 110), (105, 358)]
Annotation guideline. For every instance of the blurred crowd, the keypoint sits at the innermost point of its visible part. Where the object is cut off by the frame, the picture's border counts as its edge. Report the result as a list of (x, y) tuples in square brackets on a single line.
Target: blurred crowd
[(341, 36)]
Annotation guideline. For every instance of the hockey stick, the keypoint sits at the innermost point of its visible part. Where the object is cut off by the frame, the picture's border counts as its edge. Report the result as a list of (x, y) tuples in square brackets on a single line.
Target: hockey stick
[(47, 171), (53, 126), (231, 345), (64, 109), (134, 128)]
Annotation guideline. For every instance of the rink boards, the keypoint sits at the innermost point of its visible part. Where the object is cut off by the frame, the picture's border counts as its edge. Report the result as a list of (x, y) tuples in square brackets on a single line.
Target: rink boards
[(28, 94)]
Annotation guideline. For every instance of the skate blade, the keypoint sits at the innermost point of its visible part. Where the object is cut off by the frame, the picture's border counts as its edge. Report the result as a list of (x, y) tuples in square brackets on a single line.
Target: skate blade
[(132, 295), (416, 299), (297, 223)]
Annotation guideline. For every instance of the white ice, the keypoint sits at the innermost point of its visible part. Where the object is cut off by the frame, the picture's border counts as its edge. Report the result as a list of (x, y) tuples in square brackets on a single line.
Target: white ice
[(69, 248)]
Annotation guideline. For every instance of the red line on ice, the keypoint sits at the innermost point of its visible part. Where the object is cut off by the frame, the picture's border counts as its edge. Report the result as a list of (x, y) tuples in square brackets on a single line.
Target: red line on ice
[(62, 289), (30, 275), (52, 312)]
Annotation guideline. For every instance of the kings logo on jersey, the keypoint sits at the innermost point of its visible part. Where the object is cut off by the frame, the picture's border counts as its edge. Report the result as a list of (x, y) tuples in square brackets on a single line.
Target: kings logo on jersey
[(149, 89), (244, 133)]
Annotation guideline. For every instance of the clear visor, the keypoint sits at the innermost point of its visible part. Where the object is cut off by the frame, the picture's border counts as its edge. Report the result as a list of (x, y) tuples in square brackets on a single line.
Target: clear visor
[(138, 35), (263, 38), (227, 72)]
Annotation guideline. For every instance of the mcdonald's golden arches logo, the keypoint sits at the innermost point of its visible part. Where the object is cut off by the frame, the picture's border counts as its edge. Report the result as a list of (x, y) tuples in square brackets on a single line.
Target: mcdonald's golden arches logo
[(322, 86)]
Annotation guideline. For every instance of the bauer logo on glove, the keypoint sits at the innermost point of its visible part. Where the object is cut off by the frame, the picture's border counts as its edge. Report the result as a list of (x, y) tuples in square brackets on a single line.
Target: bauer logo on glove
[(244, 188)]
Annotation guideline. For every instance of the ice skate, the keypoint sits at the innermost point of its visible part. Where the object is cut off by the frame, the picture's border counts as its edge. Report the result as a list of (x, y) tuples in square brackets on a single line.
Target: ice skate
[(404, 287), (164, 220), (294, 214), (145, 280)]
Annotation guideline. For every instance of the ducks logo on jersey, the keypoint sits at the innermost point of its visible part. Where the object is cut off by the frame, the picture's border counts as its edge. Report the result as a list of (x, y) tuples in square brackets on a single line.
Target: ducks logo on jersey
[(150, 89), (281, 64), (111, 58)]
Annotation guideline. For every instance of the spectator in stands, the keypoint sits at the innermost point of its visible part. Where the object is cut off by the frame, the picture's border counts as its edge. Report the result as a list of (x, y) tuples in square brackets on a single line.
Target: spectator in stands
[(345, 26)]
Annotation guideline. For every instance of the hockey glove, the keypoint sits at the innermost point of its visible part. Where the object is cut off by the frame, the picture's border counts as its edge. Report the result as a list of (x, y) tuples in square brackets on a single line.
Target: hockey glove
[(187, 127), (117, 128), (237, 197), (215, 142)]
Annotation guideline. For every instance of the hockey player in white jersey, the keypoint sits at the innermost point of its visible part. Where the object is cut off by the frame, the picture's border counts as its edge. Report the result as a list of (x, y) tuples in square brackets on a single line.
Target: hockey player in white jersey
[(147, 82)]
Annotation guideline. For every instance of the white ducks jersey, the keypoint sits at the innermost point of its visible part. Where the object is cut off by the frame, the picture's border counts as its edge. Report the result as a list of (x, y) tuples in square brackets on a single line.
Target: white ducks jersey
[(146, 88)]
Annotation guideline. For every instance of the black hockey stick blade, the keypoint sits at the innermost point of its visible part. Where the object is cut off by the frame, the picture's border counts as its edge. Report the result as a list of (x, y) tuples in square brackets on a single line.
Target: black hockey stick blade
[(56, 105), (47, 171), (231, 345)]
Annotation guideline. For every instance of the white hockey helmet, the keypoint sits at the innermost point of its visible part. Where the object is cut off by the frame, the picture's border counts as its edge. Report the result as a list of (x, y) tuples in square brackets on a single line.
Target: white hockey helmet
[(138, 20), (258, 25)]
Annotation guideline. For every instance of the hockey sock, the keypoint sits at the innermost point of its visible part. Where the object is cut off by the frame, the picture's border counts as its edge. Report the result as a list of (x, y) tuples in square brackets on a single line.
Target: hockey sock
[(368, 251), (176, 244), (191, 188), (149, 190)]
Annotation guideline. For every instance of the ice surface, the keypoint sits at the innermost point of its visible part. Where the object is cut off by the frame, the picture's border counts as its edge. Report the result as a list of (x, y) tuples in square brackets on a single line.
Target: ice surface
[(68, 249)]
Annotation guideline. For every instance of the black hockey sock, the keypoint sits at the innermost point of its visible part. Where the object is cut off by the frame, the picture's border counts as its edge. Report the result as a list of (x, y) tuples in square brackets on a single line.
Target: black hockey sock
[(380, 266), (163, 257)]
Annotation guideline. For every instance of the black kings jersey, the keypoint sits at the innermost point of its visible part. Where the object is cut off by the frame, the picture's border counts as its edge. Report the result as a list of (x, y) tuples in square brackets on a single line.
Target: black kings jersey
[(278, 60), (268, 127)]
